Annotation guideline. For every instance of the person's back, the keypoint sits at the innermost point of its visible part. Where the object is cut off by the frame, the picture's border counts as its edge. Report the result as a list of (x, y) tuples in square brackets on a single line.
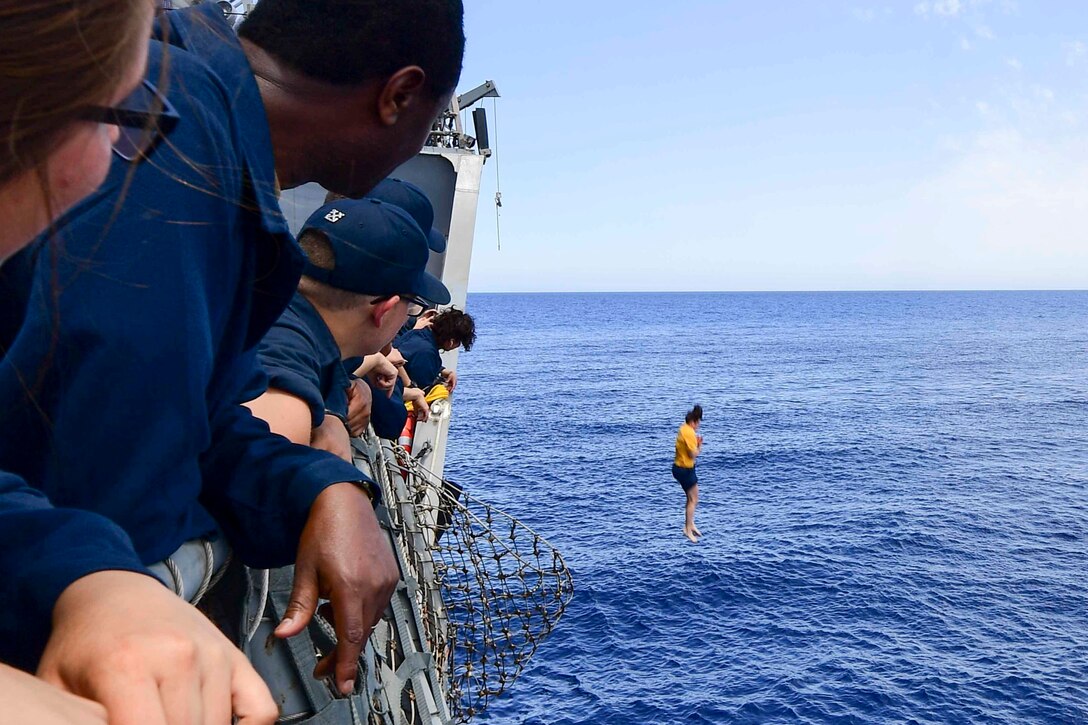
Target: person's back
[(423, 360), (448, 330)]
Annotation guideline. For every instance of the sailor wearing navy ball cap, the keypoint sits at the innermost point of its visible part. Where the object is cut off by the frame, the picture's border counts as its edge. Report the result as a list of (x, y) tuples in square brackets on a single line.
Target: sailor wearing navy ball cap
[(366, 262), (387, 412), (377, 249), (413, 200)]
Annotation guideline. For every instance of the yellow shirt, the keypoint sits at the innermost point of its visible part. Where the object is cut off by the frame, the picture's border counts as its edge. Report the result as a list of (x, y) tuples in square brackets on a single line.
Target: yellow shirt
[(686, 445)]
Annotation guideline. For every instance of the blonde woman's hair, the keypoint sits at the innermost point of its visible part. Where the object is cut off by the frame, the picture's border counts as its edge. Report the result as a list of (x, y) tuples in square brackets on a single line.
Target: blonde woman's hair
[(57, 57)]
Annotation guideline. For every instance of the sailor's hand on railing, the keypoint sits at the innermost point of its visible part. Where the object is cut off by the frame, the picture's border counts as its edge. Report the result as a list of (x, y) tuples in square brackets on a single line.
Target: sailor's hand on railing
[(418, 399), (126, 641), (360, 406), (343, 556)]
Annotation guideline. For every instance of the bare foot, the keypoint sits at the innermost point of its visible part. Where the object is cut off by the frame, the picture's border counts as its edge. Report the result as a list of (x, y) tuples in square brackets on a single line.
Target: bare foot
[(691, 536), (695, 530)]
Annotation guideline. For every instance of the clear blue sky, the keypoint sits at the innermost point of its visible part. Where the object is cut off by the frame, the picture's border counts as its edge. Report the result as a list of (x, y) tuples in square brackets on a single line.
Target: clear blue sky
[(806, 145)]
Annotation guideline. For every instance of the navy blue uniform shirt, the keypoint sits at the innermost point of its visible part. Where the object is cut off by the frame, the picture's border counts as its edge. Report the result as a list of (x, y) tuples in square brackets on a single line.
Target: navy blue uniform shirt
[(387, 415), (120, 395), (300, 356), (420, 351)]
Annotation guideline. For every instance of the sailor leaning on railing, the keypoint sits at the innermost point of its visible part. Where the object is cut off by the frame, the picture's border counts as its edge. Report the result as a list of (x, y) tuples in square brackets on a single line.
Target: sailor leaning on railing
[(365, 265), (120, 394)]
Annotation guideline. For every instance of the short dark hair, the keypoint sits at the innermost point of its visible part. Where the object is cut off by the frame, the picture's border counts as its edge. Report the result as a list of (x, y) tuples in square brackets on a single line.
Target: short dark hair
[(695, 414), (453, 324), (347, 42), (315, 244)]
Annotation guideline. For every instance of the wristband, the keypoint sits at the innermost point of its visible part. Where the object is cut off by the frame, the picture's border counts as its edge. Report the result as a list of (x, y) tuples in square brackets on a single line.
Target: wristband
[(340, 418), (369, 488)]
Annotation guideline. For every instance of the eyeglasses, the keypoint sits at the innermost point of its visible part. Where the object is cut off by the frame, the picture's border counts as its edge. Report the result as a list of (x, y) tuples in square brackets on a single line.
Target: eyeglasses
[(409, 298), (144, 117)]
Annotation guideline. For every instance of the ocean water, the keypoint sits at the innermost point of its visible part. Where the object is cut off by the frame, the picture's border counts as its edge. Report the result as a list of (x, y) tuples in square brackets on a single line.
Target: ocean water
[(893, 501)]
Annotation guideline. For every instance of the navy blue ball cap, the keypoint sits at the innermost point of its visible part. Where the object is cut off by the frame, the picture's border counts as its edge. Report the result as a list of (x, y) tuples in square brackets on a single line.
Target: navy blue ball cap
[(408, 197), (436, 241), (378, 249), (413, 200)]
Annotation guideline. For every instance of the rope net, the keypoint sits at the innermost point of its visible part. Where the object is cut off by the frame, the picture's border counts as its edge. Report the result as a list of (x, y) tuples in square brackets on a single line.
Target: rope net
[(489, 588)]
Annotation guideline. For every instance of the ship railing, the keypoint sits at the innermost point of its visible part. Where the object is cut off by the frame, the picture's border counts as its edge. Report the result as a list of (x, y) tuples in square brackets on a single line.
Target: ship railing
[(489, 588)]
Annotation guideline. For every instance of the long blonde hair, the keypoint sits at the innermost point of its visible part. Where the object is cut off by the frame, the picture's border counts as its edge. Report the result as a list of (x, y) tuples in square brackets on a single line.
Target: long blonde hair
[(57, 57)]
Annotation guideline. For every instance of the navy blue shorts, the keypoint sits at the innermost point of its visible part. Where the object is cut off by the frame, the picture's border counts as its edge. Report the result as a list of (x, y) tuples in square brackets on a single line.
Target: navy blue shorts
[(686, 477)]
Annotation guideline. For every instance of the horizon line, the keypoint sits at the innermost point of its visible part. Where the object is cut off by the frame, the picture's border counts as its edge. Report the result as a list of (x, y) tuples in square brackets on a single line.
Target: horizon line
[(775, 291)]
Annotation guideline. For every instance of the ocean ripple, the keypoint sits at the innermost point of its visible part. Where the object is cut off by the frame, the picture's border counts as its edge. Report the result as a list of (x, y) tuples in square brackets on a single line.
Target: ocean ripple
[(892, 497)]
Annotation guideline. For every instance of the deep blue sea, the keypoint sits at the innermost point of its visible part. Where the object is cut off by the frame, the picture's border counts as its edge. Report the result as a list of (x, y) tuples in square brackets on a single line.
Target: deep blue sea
[(894, 502)]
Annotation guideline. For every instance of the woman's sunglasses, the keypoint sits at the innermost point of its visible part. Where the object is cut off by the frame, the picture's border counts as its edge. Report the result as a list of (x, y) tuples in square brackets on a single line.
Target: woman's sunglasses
[(144, 117)]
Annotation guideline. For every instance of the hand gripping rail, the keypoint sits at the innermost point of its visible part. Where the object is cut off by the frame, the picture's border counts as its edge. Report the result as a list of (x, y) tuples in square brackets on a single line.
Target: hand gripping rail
[(478, 592)]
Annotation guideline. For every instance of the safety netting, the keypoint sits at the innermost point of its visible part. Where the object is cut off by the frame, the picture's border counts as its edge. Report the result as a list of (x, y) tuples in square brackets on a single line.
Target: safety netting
[(489, 589)]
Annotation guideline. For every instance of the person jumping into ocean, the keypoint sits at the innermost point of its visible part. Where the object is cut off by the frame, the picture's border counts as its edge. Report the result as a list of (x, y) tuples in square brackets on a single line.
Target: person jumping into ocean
[(688, 445)]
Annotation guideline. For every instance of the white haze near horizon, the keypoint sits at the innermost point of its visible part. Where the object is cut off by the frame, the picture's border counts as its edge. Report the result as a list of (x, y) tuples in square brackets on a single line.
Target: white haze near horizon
[(940, 144)]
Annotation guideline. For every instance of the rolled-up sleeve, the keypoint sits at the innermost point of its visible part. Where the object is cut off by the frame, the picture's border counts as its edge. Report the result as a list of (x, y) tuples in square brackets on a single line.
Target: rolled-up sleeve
[(289, 358), (260, 486)]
